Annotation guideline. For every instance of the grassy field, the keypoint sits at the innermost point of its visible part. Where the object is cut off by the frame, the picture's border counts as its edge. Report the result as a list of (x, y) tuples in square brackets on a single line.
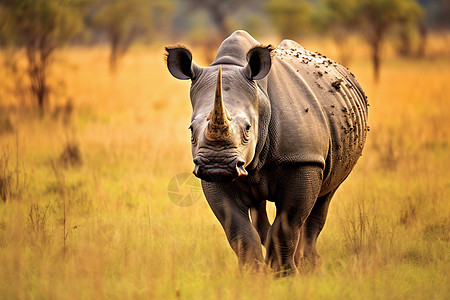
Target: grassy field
[(87, 213)]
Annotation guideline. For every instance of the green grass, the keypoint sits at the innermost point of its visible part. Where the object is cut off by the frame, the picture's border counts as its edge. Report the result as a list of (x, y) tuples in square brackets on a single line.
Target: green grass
[(387, 235)]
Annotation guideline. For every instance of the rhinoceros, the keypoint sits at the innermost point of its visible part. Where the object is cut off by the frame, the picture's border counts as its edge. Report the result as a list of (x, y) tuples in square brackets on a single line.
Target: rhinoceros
[(271, 124)]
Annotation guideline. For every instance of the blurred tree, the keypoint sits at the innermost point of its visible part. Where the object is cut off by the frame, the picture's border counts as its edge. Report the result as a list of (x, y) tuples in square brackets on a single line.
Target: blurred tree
[(125, 21), (41, 27), (438, 13), (423, 33), (220, 12), (338, 17), (411, 28), (290, 17), (378, 17)]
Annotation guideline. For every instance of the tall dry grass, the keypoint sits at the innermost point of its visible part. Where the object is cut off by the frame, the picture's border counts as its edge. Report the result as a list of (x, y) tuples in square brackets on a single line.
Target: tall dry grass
[(106, 228)]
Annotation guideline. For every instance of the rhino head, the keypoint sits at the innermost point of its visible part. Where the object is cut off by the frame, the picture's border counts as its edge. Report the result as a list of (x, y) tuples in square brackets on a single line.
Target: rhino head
[(229, 111)]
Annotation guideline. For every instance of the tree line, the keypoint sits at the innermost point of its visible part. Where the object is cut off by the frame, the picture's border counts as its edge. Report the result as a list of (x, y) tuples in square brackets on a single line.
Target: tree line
[(40, 27)]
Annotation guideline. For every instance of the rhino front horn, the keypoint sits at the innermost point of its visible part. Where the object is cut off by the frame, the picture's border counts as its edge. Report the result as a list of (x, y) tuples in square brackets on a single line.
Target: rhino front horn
[(218, 128)]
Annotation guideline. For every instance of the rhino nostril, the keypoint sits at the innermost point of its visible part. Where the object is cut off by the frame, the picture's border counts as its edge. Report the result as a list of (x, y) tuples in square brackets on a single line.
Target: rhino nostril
[(197, 161), (240, 167), (240, 162)]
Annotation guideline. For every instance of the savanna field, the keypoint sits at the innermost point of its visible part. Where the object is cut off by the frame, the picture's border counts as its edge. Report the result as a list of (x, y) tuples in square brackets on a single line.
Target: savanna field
[(88, 216)]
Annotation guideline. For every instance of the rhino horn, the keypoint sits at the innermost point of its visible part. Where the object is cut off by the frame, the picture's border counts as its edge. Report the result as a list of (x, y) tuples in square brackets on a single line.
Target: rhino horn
[(218, 128)]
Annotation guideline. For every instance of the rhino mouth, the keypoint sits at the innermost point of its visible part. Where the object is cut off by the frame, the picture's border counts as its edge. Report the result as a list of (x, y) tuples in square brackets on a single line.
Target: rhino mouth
[(219, 169)]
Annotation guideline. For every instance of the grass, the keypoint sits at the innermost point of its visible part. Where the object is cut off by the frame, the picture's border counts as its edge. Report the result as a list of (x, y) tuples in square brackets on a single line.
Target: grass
[(105, 228)]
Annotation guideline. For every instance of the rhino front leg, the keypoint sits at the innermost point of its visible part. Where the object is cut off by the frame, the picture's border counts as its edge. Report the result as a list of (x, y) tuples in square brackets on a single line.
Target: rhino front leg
[(232, 213), (297, 191)]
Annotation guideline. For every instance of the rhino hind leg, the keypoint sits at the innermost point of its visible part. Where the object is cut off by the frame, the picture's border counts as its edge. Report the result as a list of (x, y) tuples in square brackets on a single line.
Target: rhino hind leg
[(260, 220), (306, 254)]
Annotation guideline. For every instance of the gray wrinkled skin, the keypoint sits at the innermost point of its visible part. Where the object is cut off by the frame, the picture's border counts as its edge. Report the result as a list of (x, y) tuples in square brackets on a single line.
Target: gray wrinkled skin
[(293, 127)]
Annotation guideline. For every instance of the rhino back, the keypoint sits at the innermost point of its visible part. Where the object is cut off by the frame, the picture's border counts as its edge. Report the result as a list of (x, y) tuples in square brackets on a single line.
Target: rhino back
[(319, 112)]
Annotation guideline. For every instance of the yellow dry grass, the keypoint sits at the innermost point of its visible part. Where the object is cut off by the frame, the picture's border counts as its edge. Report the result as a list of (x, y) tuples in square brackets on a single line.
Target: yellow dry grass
[(107, 228)]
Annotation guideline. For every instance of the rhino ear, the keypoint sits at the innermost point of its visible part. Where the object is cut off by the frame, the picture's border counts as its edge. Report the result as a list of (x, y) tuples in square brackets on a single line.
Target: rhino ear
[(180, 64), (259, 62)]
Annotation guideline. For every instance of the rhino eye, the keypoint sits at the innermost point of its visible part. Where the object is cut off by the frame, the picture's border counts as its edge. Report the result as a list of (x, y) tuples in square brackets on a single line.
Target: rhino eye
[(246, 133), (193, 139), (247, 125)]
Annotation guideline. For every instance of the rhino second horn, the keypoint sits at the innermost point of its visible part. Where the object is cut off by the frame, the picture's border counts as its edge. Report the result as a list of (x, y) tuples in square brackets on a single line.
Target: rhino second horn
[(218, 128)]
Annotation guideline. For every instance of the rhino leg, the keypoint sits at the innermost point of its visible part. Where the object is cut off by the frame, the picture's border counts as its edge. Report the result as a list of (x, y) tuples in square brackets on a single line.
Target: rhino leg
[(306, 249), (260, 220), (297, 192), (232, 213)]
